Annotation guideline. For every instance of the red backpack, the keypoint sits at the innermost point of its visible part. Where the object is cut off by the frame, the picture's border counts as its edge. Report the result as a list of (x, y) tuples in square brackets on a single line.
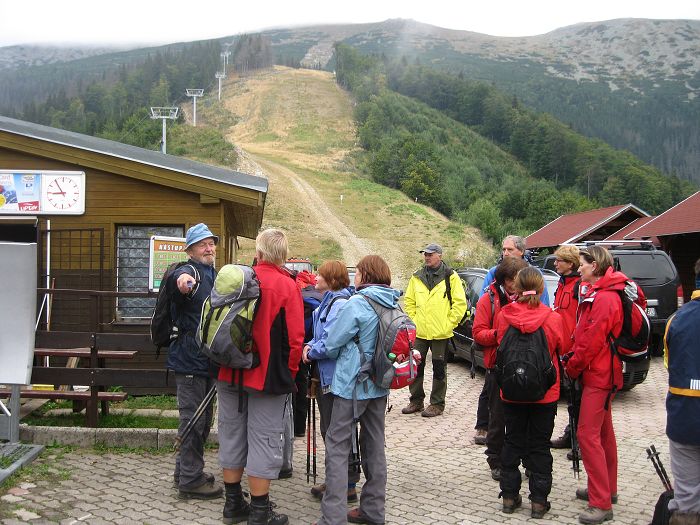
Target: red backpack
[(633, 342), (395, 361)]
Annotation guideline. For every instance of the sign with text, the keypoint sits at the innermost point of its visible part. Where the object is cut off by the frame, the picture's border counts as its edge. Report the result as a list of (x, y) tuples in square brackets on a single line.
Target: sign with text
[(24, 192), (163, 252)]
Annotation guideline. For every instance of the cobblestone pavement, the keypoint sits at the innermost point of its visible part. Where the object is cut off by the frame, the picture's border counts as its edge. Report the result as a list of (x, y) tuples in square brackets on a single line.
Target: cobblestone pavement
[(436, 474)]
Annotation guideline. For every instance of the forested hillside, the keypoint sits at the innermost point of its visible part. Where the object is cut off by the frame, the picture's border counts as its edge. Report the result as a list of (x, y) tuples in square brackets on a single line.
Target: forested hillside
[(534, 170)]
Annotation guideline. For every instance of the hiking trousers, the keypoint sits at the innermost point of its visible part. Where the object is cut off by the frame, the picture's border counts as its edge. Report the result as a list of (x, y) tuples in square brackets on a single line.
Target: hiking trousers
[(438, 348), (325, 412), (189, 461), (685, 466), (596, 439), (529, 428), (334, 505), (496, 423)]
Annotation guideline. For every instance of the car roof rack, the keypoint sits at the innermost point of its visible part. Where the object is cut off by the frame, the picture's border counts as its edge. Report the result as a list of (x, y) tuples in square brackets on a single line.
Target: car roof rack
[(644, 245)]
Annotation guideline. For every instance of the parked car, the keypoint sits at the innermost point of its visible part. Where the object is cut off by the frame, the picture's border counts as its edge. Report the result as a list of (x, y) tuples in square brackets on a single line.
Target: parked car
[(473, 281), (654, 271)]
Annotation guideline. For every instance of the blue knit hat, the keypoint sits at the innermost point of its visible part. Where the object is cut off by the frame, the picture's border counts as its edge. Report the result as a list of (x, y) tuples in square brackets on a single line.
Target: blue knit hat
[(198, 232)]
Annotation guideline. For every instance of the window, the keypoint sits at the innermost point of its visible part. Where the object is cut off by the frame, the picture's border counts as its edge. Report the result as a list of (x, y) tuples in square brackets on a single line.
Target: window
[(132, 267)]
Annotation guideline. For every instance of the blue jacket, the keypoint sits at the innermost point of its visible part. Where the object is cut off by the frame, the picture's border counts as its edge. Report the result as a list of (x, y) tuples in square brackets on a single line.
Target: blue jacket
[(682, 355), (357, 318), (323, 317), (491, 274), (184, 356)]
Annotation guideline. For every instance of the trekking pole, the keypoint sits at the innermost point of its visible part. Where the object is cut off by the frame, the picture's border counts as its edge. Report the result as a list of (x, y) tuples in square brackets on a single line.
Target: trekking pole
[(195, 417), (313, 426), (572, 409), (653, 455), (308, 438)]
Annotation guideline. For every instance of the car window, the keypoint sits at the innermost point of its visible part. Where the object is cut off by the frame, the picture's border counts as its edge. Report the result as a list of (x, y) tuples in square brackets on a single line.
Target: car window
[(647, 268)]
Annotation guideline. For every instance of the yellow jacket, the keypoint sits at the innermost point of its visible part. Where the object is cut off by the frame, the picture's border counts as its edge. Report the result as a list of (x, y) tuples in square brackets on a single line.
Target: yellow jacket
[(430, 309)]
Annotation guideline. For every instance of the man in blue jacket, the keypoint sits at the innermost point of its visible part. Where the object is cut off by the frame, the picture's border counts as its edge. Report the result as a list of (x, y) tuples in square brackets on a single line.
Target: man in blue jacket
[(682, 357), (191, 285)]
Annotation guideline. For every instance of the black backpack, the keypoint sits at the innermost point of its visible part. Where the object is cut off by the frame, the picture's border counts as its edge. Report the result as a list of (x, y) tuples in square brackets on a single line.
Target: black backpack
[(163, 329), (524, 369)]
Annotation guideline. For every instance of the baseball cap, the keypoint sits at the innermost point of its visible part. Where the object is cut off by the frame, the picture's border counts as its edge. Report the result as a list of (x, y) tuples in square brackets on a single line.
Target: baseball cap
[(432, 248), (198, 232)]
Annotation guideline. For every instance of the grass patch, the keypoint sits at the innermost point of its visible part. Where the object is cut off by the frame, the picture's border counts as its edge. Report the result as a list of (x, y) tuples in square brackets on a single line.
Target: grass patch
[(330, 249), (110, 421), (163, 402), (266, 137)]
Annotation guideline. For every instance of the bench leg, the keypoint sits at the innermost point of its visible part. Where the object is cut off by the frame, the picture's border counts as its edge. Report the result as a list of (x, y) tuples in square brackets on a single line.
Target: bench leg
[(91, 411)]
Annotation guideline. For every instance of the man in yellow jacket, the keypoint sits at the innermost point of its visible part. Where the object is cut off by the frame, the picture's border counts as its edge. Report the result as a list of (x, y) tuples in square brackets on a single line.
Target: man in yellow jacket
[(436, 302)]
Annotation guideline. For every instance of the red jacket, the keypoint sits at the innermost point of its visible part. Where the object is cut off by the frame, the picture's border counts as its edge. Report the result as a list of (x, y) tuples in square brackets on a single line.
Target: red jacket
[(527, 319), (600, 314), (566, 304), (483, 328), (278, 334)]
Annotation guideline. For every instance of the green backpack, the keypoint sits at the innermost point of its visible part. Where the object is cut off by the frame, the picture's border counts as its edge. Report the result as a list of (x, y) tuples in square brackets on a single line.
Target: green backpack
[(225, 332)]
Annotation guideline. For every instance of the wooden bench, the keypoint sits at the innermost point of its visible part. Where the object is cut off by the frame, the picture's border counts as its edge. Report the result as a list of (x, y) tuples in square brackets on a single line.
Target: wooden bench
[(97, 347)]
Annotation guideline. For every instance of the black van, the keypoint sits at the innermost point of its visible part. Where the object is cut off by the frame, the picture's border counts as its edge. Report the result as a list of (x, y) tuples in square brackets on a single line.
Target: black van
[(654, 271)]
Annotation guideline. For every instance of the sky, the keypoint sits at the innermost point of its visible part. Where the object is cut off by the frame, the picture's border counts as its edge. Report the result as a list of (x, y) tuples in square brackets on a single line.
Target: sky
[(159, 21)]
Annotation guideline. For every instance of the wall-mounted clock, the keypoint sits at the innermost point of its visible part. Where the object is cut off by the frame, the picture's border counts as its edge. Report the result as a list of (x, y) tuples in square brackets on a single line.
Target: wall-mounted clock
[(64, 192)]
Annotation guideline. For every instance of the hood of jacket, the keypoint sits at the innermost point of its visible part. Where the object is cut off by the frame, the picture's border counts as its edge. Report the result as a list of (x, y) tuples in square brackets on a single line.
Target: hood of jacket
[(612, 280), (524, 317), (438, 273), (384, 295)]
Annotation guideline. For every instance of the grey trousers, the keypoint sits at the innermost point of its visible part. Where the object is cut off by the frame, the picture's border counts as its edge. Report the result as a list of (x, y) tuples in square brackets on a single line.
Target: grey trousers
[(189, 462), (338, 445), (685, 465), (325, 412)]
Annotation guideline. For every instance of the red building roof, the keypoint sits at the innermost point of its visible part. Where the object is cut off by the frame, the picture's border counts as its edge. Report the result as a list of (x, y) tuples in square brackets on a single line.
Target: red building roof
[(585, 225), (684, 217), (629, 232)]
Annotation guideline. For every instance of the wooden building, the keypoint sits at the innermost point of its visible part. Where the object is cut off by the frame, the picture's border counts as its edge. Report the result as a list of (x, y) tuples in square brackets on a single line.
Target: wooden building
[(124, 195)]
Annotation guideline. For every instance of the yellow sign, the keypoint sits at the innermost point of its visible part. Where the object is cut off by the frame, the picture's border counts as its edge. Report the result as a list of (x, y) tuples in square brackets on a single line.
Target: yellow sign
[(164, 251)]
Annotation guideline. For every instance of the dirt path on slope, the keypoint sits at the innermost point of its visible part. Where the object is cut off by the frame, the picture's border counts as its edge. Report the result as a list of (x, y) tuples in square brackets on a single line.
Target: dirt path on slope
[(323, 220)]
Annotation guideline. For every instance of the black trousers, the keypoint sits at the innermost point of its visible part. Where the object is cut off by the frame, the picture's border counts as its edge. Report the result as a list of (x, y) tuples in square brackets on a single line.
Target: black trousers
[(529, 428), (496, 426), (482, 409), (299, 399)]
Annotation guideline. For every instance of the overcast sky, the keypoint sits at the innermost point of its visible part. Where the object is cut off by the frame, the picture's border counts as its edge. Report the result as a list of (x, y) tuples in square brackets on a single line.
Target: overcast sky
[(160, 21)]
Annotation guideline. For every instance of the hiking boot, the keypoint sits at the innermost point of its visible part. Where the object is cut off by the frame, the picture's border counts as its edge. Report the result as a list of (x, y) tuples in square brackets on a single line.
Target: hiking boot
[(207, 476), (684, 518), (538, 510), (206, 490), (412, 408), (496, 474), (510, 504), (432, 411), (262, 514), (583, 494), (480, 436), (594, 515), (285, 474), (236, 508), (319, 490), (563, 441), (356, 516)]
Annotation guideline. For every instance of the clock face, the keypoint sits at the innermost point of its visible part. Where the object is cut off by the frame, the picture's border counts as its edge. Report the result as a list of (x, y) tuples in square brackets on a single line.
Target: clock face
[(63, 192)]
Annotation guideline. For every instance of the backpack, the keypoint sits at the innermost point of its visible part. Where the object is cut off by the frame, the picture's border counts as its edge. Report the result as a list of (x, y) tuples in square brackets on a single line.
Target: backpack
[(524, 369), (448, 293), (312, 299), (394, 363), (225, 332), (163, 329), (633, 342)]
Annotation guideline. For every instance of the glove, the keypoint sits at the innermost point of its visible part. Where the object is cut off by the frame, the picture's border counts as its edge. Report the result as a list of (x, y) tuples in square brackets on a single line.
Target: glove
[(565, 358)]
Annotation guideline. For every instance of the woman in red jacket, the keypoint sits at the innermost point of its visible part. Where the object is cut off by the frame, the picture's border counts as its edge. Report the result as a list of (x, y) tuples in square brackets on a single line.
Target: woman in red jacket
[(500, 292), (566, 264), (600, 317), (529, 424)]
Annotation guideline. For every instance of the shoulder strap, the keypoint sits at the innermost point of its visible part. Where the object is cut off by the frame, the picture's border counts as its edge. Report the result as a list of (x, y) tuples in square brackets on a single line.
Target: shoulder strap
[(493, 306), (448, 285), (330, 305)]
